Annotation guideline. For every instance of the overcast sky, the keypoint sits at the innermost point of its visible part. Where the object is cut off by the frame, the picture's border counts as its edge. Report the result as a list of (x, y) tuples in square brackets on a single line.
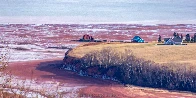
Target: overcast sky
[(97, 11)]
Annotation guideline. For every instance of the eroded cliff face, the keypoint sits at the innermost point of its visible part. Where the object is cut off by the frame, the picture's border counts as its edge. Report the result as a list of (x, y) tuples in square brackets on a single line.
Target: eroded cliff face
[(77, 65)]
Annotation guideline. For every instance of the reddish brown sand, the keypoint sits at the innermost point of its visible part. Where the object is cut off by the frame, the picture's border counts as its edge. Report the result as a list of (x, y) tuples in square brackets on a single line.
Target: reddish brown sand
[(46, 70)]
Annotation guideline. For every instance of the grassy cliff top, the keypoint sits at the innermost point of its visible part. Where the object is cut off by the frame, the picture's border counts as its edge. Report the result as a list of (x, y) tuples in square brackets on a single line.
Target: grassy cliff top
[(148, 51)]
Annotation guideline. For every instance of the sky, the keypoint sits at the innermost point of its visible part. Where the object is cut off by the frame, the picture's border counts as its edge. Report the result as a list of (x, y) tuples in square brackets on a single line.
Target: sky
[(97, 11)]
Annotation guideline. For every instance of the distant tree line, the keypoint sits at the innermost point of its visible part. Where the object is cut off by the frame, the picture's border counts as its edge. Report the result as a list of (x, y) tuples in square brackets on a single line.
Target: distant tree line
[(128, 69), (188, 38)]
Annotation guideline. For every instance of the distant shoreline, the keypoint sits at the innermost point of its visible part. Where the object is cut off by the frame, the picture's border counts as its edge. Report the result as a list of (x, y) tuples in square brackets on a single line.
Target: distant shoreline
[(75, 20)]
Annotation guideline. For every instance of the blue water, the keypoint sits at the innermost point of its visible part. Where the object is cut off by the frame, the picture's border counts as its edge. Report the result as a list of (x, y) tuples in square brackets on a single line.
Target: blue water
[(102, 10)]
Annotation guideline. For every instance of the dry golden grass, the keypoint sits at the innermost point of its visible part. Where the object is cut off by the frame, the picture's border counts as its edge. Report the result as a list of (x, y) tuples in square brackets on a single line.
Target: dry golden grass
[(148, 51)]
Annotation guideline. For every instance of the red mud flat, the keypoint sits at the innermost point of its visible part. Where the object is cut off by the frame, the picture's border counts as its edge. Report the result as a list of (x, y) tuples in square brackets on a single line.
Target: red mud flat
[(46, 70), (63, 33)]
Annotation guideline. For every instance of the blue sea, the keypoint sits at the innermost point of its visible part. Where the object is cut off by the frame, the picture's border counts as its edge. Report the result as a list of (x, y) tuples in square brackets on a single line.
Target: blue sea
[(97, 11)]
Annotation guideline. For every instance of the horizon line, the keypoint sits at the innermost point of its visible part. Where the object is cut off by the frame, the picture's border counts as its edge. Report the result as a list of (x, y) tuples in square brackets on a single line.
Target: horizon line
[(80, 20)]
